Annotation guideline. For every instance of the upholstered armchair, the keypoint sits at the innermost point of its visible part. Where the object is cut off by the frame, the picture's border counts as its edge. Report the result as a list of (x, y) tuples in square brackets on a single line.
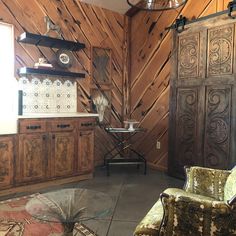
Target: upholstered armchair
[(206, 206)]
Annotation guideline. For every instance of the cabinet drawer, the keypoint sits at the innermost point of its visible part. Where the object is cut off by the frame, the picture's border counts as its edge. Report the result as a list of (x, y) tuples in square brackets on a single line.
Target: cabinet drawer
[(32, 126), (88, 123), (62, 125)]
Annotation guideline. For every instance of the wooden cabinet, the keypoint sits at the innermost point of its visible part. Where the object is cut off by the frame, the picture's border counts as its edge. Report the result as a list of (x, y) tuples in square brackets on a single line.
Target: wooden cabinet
[(54, 147), (85, 150), (32, 158), (85, 161), (62, 146), (6, 161), (63, 153)]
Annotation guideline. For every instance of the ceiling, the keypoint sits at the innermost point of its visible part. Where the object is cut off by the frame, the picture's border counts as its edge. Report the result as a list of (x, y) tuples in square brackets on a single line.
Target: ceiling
[(120, 6)]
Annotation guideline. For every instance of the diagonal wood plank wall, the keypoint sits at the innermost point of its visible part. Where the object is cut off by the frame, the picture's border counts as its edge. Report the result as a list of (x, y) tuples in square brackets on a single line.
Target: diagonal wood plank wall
[(79, 22), (150, 69)]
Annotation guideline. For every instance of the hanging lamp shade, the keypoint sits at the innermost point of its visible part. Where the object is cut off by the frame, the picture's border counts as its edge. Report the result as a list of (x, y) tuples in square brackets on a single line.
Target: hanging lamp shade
[(156, 5)]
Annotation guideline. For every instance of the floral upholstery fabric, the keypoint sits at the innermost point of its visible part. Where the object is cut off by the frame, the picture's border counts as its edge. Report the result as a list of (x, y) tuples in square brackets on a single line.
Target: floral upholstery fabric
[(197, 210), (150, 224), (230, 186), (191, 214), (206, 181)]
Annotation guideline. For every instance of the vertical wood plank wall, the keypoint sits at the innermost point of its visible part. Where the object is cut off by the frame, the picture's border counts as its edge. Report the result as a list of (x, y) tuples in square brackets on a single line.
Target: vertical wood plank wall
[(150, 71), (88, 24)]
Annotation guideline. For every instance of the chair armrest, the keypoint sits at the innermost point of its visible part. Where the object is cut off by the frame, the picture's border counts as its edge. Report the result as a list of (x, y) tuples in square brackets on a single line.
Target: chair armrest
[(206, 181), (189, 215), (232, 201)]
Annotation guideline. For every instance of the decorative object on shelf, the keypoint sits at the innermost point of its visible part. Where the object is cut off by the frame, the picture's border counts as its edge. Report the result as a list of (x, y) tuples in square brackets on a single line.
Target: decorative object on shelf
[(130, 124), (64, 58), (42, 64), (156, 5), (41, 40), (101, 104), (52, 27)]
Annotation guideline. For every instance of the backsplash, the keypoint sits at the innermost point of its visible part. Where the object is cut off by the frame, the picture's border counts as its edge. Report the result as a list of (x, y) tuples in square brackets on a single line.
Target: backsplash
[(48, 96)]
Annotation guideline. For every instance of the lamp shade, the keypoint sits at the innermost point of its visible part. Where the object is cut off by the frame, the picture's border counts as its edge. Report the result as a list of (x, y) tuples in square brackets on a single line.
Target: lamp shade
[(156, 5)]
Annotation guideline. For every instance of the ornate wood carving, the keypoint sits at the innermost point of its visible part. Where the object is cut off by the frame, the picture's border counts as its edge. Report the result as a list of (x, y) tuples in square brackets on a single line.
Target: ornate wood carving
[(32, 157), (86, 139), (186, 126), (220, 50), (218, 122), (6, 161), (63, 153), (188, 56)]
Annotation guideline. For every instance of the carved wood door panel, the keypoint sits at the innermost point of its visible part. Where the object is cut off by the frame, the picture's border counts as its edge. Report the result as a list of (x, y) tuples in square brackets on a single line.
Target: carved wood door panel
[(217, 126), (85, 150), (63, 153), (187, 129), (202, 108), (32, 157), (6, 161)]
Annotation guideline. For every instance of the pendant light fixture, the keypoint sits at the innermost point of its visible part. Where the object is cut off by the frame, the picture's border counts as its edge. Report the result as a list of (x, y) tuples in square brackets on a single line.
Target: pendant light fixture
[(156, 5)]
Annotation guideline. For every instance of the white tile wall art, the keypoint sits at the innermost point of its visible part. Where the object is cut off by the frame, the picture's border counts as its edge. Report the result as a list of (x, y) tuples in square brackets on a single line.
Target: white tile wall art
[(47, 96)]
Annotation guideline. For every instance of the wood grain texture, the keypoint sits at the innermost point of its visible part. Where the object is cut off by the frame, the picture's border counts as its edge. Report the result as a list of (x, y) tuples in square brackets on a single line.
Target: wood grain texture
[(81, 22), (151, 54)]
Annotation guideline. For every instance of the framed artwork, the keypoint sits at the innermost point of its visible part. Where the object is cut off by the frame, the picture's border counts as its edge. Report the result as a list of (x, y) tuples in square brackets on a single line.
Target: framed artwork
[(101, 66)]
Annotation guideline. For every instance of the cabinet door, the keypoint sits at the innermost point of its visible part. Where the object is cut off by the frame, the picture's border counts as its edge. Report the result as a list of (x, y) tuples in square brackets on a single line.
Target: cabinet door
[(6, 161), (32, 157), (86, 150), (63, 153)]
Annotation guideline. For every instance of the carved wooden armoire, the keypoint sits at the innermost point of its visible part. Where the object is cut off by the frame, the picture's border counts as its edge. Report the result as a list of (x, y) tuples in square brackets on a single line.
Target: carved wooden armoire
[(203, 96)]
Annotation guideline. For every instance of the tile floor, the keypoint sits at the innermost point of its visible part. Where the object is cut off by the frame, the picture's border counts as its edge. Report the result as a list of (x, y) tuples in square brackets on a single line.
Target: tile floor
[(133, 195)]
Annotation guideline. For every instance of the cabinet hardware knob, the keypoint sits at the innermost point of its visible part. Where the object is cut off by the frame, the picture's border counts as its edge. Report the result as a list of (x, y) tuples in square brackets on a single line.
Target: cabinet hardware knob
[(3, 145), (63, 126), (86, 124), (33, 127)]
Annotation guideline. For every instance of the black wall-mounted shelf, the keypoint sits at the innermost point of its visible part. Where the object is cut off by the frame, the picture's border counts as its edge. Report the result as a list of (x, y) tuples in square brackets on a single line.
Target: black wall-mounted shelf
[(28, 71), (42, 40)]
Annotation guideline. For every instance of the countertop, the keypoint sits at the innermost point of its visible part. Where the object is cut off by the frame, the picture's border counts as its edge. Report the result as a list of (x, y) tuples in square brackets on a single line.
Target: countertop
[(57, 115)]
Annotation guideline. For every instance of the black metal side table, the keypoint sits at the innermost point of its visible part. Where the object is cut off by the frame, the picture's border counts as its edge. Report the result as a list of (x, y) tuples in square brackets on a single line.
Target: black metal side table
[(122, 153)]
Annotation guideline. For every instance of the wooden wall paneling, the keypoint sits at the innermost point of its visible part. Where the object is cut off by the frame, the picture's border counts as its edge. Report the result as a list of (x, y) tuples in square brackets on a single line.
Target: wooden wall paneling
[(146, 51), (150, 71), (145, 26), (160, 162), (79, 22), (139, 87), (141, 61), (152, 120), (142, 54), (126, 70), (140, 92), (35, 16), (150, 140)]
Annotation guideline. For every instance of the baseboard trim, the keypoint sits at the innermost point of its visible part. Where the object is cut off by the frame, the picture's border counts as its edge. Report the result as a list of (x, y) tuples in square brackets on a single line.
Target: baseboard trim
[(37, 186)]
